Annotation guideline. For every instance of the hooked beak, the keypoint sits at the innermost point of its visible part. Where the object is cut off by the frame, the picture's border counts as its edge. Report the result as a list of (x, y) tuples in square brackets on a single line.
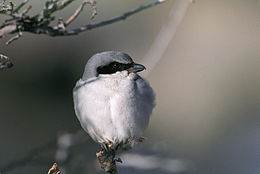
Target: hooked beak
[(136, 68)]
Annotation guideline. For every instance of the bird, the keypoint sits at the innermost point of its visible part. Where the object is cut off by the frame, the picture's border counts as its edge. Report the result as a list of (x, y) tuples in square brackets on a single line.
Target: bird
[(112, 102)]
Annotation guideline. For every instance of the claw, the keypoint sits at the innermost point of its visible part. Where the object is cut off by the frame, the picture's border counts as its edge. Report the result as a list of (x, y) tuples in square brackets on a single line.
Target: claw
[(119, 160), (100, 155), (110, 144)]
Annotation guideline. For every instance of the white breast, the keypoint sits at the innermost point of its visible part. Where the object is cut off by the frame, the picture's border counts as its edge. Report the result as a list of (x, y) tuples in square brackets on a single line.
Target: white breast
[(114, 108)]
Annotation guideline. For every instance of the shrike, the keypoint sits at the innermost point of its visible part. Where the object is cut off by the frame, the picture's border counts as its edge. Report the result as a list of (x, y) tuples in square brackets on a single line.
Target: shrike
[(112, 102)]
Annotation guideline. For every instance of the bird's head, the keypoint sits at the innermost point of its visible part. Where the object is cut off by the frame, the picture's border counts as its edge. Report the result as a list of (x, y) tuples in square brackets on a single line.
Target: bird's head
[(110, 62)]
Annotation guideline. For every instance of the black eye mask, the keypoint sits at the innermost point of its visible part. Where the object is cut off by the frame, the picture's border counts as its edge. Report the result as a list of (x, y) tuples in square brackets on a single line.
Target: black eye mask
[(113, 68)]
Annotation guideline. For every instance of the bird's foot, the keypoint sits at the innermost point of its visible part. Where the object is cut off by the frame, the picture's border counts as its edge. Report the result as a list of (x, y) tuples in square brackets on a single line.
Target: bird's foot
[(109, 145), (112, 146), (100, 156), (107, 160)]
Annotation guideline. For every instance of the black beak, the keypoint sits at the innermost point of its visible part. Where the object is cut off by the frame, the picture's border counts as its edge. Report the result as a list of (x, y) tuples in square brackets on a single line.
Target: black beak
[(136, 68)]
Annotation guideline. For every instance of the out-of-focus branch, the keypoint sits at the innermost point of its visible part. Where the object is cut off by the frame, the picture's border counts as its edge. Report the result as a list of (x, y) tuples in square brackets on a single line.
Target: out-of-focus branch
[(74, 154), (40, 24), (111, 20), (20, 6), (5, 62), (29, 158), (54, 169), (14, 38), (167, 32)]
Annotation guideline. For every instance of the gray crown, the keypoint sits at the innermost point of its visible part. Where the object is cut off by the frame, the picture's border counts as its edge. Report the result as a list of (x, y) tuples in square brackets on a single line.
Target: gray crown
[(102, 59)]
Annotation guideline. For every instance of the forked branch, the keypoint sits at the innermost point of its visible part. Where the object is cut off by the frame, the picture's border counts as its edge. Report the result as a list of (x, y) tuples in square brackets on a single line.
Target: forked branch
[(19, 22)]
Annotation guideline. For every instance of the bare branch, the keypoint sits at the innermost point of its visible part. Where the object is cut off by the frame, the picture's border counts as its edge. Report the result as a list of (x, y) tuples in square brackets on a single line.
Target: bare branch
[(20, 22), (6, 8), (165, 35), (93, 5), (16, 10), (54, 169), (52, 6), (8, 29), (108, 21), (5, 62), (77, 12), (16, 37), (25, 11), (40, 24), (61, 25)]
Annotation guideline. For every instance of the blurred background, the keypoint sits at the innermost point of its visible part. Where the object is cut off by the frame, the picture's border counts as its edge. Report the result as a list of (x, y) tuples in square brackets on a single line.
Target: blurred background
[(207, 85)]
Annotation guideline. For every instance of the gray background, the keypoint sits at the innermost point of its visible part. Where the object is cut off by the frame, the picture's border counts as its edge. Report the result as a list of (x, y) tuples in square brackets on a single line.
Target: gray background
[(207, 84)]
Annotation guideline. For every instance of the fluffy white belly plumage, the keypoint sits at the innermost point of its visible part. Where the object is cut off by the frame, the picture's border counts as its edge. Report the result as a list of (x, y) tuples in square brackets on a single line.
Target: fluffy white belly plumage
[(114, 108)]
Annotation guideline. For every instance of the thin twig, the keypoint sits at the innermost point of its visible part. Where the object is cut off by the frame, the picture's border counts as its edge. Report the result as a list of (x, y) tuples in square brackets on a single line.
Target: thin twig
[(61, 25), (25, 11), (76, 14), (6, 8), (7, 29), (16, 10), (109, 21), (52, 6), (93, 5), (16, 37), (54, 169), (40, 24), (5, 62)]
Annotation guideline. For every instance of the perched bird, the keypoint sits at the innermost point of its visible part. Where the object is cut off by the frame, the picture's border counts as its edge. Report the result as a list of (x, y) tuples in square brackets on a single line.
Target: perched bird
[(112, 102)]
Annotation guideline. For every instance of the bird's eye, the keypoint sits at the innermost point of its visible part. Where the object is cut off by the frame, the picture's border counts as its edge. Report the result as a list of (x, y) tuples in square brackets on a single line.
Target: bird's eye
[(116, 65)]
